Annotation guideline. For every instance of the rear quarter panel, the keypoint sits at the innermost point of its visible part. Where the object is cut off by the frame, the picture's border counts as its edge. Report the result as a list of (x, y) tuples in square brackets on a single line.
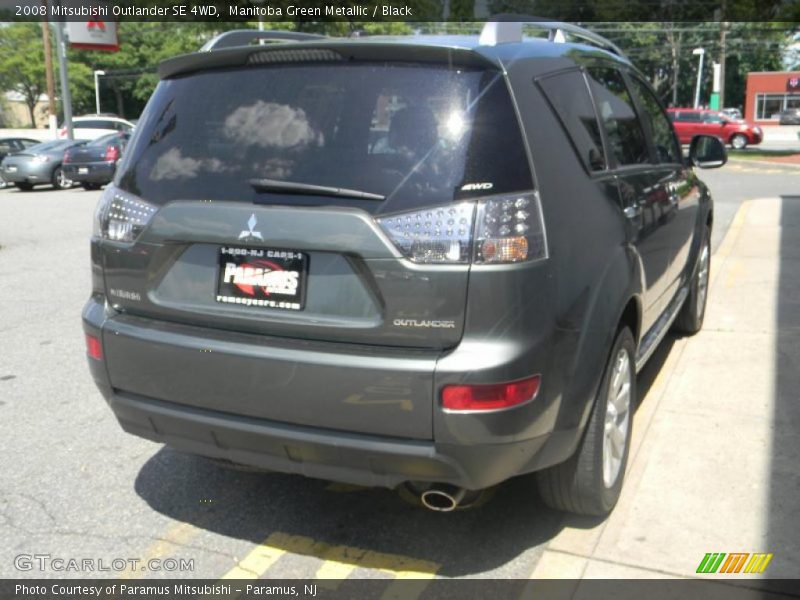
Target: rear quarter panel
[(593, 270)]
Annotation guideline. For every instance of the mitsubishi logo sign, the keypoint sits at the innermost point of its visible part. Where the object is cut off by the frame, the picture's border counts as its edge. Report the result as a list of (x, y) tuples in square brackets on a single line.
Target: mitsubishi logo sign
[(793, 84), (93, 35)]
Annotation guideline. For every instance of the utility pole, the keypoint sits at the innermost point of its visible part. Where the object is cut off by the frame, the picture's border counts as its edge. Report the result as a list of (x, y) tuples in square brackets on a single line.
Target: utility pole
[(722, 51), (51, 84), (66, 99)]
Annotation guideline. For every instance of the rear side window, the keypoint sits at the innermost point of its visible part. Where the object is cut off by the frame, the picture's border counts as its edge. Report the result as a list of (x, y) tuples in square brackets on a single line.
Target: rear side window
[(626, 139), (712, 118), (688, 117), (417, 134), (660, 127), (569, 97)]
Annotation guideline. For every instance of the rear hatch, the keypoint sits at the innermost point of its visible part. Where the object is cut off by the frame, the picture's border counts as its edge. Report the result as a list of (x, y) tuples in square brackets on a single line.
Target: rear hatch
[(330, 203)]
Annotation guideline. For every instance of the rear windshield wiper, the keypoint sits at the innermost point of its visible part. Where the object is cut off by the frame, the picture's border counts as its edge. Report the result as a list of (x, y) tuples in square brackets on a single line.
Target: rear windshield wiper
[(294, 187)]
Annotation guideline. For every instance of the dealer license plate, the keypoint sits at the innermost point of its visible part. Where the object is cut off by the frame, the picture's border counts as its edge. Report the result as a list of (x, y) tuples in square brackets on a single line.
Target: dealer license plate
[(262, 277)]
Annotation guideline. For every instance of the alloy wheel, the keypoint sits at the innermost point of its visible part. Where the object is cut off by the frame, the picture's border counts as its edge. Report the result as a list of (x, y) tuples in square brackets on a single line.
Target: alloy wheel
[(617, 420), (63, 180), (702, 280)]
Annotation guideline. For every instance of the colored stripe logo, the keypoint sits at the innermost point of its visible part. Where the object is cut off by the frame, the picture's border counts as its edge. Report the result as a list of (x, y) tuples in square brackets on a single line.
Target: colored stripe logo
[(735, 562)]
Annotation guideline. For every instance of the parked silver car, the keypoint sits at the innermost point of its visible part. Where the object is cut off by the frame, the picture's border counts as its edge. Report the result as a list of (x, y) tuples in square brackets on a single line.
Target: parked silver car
[(37, 165)]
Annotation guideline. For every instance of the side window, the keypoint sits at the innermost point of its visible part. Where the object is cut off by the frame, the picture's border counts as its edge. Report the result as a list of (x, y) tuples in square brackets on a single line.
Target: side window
[(6, 147), (569, 97), (105, 125), (663, 138), (712, 118), (614, 104)]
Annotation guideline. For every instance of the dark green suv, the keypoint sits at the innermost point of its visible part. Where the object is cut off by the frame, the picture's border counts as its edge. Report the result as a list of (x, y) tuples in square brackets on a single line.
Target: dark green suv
[(435, 262)]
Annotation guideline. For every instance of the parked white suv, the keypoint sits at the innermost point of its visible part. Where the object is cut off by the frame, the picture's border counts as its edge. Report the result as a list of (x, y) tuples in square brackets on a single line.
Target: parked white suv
[(91, 127)]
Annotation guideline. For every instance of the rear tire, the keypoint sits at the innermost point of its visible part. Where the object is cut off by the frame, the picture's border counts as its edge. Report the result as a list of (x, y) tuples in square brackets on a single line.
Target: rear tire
[(590, 482), (24, 186), (59, 179), (739, 141), (690, 319), (90, 187)]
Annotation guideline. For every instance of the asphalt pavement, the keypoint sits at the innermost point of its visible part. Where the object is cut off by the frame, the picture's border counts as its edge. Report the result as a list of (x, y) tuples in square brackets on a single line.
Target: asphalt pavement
[(75, 486)]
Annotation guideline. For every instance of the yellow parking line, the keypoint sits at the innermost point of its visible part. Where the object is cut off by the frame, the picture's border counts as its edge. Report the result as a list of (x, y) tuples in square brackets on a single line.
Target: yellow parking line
[(176, 535), (261, 558), (338, 563)]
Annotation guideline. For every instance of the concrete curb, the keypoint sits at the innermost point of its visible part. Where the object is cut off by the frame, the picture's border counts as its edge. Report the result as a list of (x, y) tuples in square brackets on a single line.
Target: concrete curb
[(763, 163)]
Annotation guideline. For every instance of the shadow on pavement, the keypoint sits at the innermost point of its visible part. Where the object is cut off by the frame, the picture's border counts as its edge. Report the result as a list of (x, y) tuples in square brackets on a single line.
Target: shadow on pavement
[(783, 520), (251, 506)]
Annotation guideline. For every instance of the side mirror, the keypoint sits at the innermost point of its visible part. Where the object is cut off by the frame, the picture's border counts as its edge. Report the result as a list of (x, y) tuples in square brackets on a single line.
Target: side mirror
[(707, 152)]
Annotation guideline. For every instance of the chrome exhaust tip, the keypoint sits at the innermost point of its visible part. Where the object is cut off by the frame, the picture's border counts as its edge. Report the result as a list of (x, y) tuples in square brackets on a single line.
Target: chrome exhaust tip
[(442, 498)]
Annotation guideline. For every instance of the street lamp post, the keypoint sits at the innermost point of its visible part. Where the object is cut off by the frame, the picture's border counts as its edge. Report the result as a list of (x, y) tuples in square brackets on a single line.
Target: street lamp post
[(97, 89), (701, 53)]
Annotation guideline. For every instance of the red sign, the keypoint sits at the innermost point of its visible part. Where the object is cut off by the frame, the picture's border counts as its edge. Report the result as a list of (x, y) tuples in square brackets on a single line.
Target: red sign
[(93, 35), (793, 84)]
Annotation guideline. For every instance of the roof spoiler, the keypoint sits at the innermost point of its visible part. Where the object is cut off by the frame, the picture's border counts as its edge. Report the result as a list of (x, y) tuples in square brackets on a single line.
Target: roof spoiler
[(245, 37)]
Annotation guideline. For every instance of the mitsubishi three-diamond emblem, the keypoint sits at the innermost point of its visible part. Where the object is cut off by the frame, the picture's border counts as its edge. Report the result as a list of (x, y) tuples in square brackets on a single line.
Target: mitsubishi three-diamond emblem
[(250, 233)]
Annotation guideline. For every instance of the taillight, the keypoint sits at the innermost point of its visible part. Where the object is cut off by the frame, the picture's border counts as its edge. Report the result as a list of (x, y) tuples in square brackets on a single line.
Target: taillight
[(112, 154), (67, 157), (510, 229), (439, 234), (493, 230), (498, 396), (120, 216), (93, 347)]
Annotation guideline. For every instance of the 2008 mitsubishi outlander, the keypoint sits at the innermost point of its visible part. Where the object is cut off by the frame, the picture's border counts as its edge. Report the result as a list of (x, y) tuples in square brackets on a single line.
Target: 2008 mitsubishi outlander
[(426, 261)]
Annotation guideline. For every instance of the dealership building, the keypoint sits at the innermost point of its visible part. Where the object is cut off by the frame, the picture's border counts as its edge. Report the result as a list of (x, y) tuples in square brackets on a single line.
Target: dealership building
[(768, 93)]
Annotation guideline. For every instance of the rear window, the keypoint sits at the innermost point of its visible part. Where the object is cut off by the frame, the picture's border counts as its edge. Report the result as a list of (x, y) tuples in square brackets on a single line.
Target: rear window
[(104, 140), (414, 134), (54, 145)]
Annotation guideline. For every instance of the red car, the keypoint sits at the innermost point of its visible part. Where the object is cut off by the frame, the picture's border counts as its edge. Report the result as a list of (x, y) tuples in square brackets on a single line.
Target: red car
[(690, 122)]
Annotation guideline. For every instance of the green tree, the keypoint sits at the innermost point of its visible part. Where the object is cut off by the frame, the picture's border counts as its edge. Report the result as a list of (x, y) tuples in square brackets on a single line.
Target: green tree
[(22, 63), (130, 72)]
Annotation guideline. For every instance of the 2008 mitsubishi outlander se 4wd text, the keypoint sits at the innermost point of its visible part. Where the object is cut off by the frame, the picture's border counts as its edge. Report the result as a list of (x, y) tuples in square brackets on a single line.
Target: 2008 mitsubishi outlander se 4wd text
[(436, 262)]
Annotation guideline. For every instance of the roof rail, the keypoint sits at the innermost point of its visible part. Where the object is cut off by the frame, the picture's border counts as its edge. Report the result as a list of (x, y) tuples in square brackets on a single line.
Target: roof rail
[(244, 37), (508, 28)]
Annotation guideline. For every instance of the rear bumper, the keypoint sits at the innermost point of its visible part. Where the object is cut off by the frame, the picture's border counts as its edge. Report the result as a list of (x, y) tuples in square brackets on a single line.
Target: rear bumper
[(95, 172), (324, 454), (29, 174), (151, 380)]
